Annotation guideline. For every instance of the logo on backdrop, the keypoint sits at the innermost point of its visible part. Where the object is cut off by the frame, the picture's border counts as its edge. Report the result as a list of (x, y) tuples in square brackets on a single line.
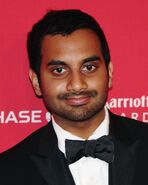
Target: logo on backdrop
[(136, 108)]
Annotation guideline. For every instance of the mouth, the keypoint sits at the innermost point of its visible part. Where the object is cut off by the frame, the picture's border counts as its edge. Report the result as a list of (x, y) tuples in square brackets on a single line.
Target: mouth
[(77, 100)]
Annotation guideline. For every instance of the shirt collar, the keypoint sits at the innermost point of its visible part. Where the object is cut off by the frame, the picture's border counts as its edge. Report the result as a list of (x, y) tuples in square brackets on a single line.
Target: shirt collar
[(103, 129)]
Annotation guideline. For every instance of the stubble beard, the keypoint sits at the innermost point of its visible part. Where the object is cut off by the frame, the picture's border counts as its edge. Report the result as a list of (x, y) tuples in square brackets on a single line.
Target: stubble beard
[(79, 113)]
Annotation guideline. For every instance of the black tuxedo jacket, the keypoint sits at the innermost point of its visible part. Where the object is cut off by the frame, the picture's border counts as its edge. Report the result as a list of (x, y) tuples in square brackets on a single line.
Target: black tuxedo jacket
[(38, 161)]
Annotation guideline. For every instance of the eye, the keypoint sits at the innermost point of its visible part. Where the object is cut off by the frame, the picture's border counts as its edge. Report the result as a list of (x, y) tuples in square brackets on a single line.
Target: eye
[(89, 68), (58, 70)]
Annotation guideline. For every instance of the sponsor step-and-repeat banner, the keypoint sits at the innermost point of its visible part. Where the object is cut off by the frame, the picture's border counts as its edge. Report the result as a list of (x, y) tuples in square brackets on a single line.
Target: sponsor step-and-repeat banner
[(125, 25)]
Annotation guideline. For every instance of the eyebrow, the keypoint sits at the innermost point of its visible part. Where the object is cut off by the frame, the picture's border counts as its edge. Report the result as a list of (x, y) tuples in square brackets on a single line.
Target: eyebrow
[(60, 62), (92, 58), (56, 62)]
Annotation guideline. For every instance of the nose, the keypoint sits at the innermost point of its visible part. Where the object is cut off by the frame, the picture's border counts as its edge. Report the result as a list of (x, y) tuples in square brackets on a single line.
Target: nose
[(76, 83)]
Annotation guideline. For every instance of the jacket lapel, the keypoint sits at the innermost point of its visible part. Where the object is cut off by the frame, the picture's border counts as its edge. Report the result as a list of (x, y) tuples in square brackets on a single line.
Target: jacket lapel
[(50, 162), (121, 171)]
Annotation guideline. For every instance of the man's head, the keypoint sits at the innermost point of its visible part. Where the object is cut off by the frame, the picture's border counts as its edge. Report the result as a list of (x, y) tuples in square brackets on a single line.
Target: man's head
[(70, 65), (62, 22)]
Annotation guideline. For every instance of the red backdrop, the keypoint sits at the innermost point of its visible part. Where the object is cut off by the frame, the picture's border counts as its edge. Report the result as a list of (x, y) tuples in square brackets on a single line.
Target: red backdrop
[(126, 27)]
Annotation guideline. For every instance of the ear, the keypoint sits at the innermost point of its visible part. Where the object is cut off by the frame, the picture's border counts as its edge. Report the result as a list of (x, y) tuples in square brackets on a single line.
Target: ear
[(110, 73), (35, 82)]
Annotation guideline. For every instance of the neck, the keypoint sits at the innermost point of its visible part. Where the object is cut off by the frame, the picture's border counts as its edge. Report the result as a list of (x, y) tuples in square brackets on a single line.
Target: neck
[(81, 129)]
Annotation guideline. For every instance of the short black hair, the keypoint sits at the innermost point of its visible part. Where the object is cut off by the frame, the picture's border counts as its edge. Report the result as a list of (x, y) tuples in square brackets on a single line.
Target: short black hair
[(62, 22)]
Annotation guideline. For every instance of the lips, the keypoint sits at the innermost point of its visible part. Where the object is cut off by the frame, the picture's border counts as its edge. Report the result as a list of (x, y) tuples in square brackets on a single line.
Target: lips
[(77, 100)]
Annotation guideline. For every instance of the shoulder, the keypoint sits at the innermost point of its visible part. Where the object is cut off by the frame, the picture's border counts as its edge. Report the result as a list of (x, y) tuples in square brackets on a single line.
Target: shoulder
[(128, 127), (16, 163), (18, 160), (126, 121), (28, 144)]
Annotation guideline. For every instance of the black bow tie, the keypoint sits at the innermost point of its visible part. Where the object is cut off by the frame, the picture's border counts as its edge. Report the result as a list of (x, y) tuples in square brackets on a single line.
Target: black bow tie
[(102, 148)]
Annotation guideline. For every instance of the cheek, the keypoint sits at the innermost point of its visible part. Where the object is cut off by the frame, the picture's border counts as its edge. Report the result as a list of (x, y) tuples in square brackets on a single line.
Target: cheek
[(59, 86), (99, 82), (52, 88)]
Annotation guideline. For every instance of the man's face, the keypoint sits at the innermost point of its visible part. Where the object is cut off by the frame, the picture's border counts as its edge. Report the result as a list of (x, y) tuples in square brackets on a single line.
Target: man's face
[(74, 79)]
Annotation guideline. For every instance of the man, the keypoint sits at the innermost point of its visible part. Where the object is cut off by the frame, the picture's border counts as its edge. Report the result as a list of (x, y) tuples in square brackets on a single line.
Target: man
[(70, 69)]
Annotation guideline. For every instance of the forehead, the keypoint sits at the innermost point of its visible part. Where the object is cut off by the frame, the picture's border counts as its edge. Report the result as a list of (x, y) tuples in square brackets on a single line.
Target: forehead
[(79, 44)]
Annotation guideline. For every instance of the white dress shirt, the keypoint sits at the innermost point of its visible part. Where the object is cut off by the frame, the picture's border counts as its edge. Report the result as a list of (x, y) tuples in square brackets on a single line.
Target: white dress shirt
[(87, 170)]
